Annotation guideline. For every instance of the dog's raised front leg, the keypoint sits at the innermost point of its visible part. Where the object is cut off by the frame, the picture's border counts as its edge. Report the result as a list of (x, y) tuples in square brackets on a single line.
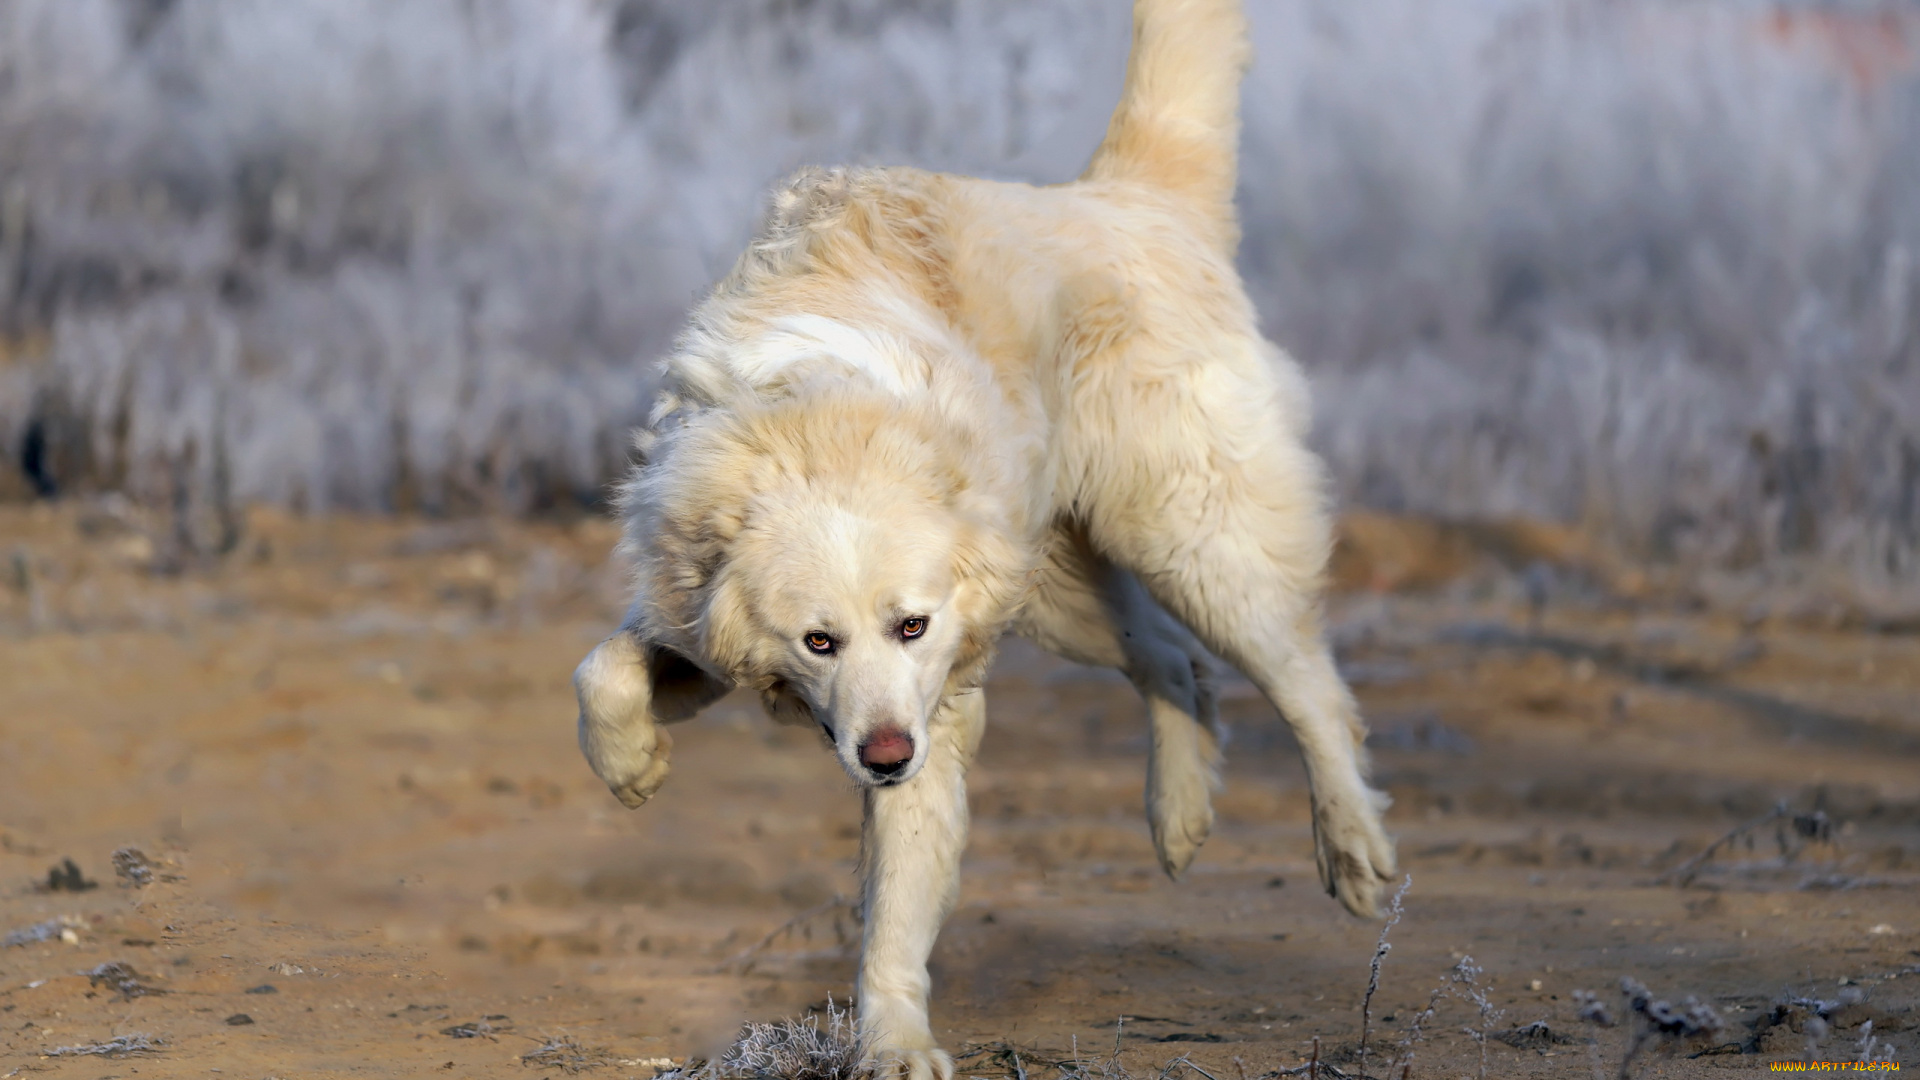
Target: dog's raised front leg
[(627, 689), (910, 853)]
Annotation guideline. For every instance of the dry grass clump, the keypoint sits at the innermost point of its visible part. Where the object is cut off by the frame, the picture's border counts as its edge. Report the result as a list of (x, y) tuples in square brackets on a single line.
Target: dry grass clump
[(568, 1054), (122, 978), (1535, 1036), (1461, 984), (132, 866), (788, 1050), (1651, 1022), (484, 1028), (1814, 1019), (119, 1046)]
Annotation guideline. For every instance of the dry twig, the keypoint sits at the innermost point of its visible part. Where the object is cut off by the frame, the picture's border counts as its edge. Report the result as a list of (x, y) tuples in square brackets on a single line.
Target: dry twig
[(742, 963), (1394, 911)]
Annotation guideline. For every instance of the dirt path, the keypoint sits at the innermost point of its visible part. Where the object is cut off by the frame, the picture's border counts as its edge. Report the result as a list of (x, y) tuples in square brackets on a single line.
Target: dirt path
[(348, 754)]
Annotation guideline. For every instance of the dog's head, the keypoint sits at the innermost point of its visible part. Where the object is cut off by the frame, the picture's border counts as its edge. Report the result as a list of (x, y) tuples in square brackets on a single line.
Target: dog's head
[(836, 553), (858, 610)]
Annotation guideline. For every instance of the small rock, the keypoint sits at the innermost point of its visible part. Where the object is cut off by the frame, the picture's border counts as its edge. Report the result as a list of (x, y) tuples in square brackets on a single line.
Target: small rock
[(239, 1020), (67, 878), (133, 867)]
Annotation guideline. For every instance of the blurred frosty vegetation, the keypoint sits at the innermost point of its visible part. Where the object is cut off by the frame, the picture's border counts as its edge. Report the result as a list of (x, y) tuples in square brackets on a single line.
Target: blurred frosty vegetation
[(1645, 266)]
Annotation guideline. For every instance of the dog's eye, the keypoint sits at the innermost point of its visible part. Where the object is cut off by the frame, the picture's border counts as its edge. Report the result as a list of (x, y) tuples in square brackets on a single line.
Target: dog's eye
[(819, 642), (913, 626)]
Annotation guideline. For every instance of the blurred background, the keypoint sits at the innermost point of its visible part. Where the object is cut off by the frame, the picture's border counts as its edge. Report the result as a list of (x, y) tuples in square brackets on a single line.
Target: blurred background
[(1645, 268)]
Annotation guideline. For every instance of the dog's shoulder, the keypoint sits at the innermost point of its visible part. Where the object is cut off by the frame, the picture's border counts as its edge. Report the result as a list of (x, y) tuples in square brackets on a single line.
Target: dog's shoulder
[(826, 219), (847, 264)]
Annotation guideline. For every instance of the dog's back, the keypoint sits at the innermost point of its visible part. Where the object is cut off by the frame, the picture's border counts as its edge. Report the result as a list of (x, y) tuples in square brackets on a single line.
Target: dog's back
[(1014, 270)]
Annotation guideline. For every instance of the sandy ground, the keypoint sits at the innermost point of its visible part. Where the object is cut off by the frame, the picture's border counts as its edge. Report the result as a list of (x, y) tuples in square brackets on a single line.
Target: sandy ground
[(347, 752)]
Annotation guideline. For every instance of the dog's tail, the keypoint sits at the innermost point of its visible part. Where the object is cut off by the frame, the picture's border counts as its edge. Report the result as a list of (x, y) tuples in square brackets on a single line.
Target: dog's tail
[(1178, 123)]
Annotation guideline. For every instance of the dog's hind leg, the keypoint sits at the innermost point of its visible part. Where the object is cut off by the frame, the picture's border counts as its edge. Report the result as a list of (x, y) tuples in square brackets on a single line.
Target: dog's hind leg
[(910, 857), (1092, 612), (1220, 513), (1183, 766)]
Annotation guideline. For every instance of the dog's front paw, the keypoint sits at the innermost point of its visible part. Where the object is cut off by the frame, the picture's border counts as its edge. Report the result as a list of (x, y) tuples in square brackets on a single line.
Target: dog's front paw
[(892, 1063), (617, 735), (899, 1043), (638, 773), (1356, 858)]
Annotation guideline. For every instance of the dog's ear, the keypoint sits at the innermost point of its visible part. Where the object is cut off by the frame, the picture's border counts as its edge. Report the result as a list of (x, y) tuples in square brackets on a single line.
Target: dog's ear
[(627, 688)]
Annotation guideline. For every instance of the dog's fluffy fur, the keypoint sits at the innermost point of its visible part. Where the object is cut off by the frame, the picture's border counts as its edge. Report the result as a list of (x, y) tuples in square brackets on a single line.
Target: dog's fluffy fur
[(989, 406)]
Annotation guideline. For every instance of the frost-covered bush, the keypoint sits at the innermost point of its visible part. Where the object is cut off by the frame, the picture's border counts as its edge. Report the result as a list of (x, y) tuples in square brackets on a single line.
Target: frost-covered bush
[(377, 253), (1646, 266)]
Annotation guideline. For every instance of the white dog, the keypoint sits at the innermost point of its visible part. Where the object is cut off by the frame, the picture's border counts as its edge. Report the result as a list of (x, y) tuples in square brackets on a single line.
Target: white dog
[(924, 410)]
